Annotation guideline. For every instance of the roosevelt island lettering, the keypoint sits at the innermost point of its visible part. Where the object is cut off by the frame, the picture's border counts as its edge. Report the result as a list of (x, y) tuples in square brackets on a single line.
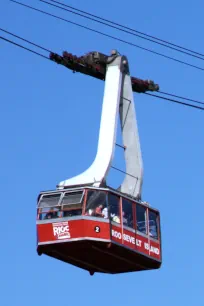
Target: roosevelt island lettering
[(134, 241)]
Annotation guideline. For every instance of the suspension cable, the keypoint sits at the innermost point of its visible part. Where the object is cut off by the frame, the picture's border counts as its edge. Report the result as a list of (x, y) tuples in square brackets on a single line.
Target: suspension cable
[(110, 36), (153, 95), (19, 37), (25, 48), (128, 28), (168, 94), (117, 28), (175, 101)]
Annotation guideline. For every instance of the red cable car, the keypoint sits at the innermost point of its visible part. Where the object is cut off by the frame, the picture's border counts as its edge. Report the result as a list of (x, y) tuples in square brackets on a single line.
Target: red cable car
[(99, 230), (90, 225)]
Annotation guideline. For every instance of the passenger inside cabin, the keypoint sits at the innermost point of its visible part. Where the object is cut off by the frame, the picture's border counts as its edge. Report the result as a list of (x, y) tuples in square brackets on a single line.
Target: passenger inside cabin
[(125, 220), (115, 218), (51, 215), (142, 227), (72, 212), (105, 212), (89, 212), (127, 214), (98, 211), (101, 211), (153, 229), (96, 205)]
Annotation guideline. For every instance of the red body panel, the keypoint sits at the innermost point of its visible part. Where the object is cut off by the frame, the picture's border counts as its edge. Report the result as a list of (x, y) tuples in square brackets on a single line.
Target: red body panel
[(73, 229), (97, 230)]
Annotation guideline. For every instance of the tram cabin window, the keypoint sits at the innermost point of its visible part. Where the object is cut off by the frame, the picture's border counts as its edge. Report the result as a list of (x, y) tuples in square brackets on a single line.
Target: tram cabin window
[(48, 206), (127, 211), (49, 213), (153, 224), (96, 204), (72, 204), (50, 200), (114, 204), (141, 217)]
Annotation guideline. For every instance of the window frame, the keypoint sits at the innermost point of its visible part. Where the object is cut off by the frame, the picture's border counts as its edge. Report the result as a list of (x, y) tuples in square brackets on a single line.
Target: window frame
[(119, 215), (86, 199), (50, 194), (133, 212), (72, 208), (146, 218), (157, 224)]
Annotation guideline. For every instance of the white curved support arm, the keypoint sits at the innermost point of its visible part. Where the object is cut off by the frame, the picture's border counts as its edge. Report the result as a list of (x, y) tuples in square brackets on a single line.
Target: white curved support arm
[(132, 184), (117, 92), (97, 172)]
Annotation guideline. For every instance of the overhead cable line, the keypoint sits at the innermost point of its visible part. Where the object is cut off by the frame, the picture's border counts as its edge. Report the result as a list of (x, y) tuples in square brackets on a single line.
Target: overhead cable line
[(128, 28), (168, 94), (175, 101), (117, 28), (47, 50), (110, 36), (23, 39), (18, 45), (43, 56)]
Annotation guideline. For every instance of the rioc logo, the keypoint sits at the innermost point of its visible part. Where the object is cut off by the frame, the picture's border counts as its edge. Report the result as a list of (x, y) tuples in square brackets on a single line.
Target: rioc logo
[(61, 230)]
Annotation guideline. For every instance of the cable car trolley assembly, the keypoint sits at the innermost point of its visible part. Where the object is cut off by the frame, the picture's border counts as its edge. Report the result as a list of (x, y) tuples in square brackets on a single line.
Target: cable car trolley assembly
[(86, 223)]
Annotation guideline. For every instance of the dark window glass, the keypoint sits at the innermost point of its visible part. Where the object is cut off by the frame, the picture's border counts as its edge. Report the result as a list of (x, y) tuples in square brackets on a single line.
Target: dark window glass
[(96, 204), (47, 213), (72, 212), (50, 200), (72, 204), (72, 200), (113, 202), (127, 213), (153, 226), (141, 218)]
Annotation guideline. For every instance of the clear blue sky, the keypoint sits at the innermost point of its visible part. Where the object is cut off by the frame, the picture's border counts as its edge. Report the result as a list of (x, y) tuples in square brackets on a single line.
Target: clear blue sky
[(49, 122)]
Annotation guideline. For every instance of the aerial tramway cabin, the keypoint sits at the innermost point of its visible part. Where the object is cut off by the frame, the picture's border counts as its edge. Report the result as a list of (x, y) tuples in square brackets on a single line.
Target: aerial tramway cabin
[(84, 222), (98, 229)]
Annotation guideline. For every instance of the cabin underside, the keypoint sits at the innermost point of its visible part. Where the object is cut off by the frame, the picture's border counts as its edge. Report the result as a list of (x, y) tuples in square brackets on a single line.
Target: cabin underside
[(102, 257)]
